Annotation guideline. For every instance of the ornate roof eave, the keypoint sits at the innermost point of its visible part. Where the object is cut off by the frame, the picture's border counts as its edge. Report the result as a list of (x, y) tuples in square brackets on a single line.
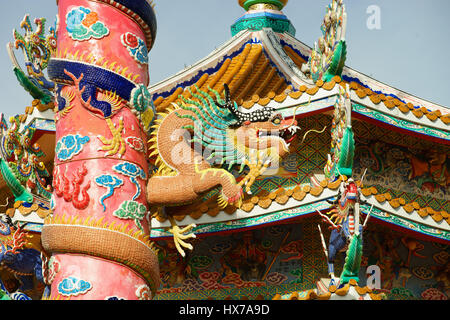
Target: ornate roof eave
[(241, 219), (377, 86), (400, 118), (31, 214), (287, 204), (41, 117), (427, 225), (320, 100)]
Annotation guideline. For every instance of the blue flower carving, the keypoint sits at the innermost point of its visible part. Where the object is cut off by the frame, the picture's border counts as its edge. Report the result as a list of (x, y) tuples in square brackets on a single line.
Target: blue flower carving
[(73, 286), (136, 47), (70, 146)]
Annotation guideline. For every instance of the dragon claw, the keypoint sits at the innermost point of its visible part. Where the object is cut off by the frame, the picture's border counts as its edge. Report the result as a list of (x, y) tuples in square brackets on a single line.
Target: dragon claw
[(181, 234)]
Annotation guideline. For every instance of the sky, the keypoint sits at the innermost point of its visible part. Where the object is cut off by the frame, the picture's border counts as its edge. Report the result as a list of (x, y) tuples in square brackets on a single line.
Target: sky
[(408, 49)]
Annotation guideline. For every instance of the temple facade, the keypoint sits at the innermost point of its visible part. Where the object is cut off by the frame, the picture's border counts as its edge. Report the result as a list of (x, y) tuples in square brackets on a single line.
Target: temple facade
[(270, 169)]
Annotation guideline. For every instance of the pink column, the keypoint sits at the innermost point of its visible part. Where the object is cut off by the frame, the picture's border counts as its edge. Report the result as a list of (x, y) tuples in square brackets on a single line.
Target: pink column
[(98, 235)]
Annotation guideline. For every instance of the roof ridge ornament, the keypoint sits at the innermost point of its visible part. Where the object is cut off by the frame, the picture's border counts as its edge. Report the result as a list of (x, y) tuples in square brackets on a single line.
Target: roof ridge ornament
[(330, 51), (276, 4), (37, 48), (263, 14)]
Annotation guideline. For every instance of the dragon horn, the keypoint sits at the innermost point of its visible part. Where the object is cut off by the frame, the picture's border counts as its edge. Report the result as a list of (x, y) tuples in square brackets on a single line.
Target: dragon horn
[(227, 104), (227, 92)]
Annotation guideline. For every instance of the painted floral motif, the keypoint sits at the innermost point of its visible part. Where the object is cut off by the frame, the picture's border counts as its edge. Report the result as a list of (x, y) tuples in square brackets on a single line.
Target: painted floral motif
[(423, 273), (297, 273), (210, 280), (5, 230), (143, 293), (441, 257), (236, 280), (132, 210), (294, 249), (136, 47), (50, 268), (69, 146), (433, 294), (73, 286), (84, 24), (199, 263), (110, 182), (135, 143), (190, 285), (276, 278), (221, 247)]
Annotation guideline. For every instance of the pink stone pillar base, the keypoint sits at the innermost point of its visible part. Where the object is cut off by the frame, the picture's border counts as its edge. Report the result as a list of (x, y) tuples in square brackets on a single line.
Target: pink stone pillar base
[(95, 279)]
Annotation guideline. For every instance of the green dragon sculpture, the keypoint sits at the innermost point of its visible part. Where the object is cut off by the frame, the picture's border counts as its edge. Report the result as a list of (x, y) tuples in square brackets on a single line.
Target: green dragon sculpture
[(37, 49), (20, 165), (197, 143), (330, 52), (340, 160)]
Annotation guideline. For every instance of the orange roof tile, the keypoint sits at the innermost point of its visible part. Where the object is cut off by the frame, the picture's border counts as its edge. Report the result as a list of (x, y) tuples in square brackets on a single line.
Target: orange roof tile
[(264, 199), (249, 75), (27, 210), (312, 295), (392, 102)]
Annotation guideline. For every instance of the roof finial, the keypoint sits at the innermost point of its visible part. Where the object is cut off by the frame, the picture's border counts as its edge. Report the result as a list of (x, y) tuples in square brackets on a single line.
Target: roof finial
[(263, 14), (274, 4)]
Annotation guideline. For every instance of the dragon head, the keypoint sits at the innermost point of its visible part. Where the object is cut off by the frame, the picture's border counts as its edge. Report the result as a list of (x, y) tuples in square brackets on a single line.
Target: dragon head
[(232, 137), (261, 131)]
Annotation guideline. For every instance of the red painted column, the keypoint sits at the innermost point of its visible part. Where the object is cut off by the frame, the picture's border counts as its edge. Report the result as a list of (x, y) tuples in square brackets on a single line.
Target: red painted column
[(98, 235)]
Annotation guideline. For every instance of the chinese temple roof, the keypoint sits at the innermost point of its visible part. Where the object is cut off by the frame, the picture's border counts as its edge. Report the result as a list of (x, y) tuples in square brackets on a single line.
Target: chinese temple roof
[(264, 67)]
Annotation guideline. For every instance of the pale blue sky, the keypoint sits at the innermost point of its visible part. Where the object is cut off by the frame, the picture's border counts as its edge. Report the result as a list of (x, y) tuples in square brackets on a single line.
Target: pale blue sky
[(409, 52)]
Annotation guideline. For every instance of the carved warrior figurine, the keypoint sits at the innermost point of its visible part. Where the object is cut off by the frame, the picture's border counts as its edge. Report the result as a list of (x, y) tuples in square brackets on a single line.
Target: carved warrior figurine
[(347, 231), (100, 228), (192, 139)]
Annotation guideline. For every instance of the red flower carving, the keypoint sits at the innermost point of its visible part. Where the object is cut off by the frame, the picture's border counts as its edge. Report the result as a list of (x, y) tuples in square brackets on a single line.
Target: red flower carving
[(433, 294), (130, 40), (135, 143)]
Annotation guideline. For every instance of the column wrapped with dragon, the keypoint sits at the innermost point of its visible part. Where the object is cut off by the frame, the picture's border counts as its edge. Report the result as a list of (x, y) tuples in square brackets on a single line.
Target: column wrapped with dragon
[(97, 239), (198, 142)]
